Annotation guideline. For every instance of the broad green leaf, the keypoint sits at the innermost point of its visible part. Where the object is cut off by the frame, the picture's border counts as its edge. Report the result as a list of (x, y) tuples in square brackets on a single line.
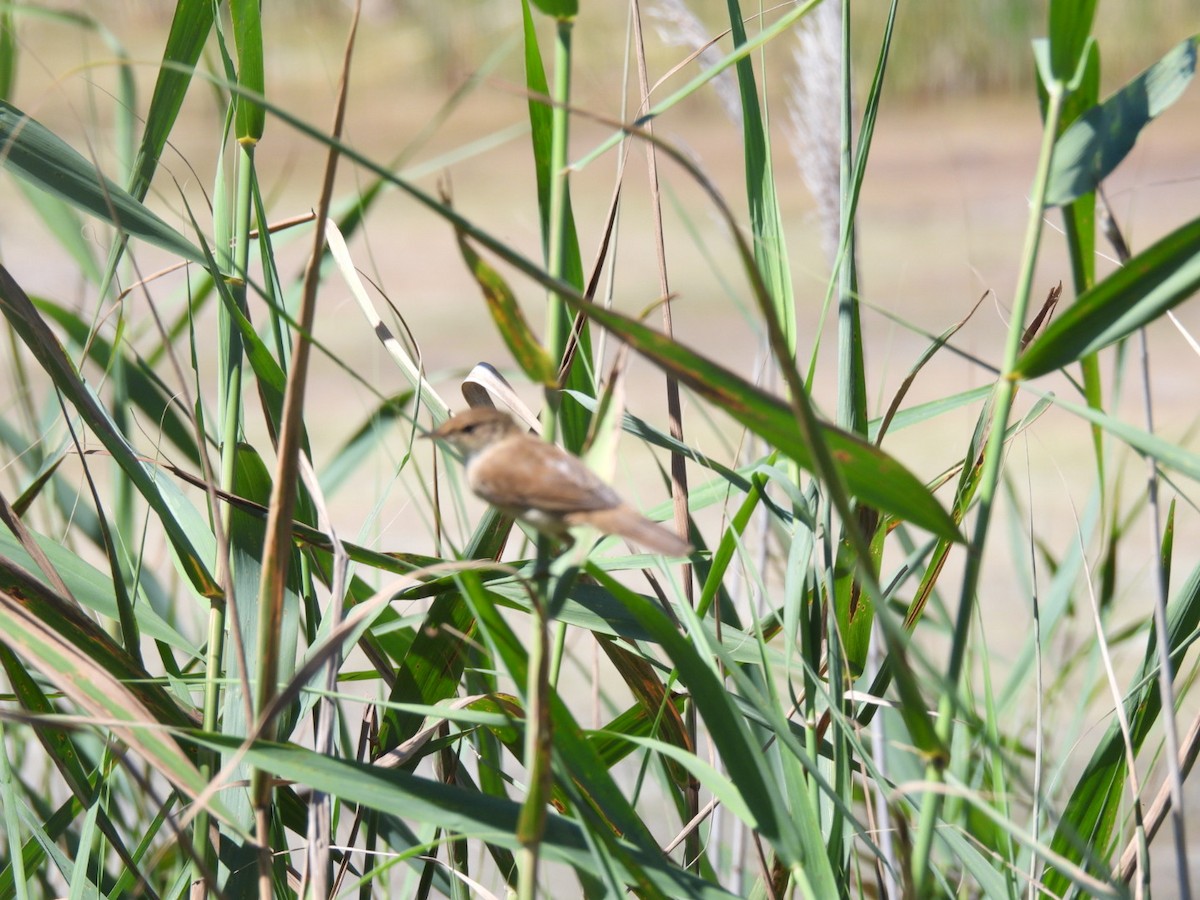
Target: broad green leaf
[(8, 53), (560, 9), (189, 30), (36, 154), (1146, 287), (247, 35), (1096, 142), (432, 668), (1070, 23)]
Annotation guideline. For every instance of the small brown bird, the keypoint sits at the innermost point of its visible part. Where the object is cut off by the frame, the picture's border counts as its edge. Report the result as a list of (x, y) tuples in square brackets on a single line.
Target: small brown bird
[(547, 487)]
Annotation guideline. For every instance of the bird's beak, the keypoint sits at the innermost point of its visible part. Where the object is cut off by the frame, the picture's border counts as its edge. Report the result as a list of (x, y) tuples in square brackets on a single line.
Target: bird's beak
[(433, 434)]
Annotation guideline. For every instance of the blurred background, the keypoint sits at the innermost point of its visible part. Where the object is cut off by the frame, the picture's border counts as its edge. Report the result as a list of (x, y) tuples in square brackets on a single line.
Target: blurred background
[(437, 94)]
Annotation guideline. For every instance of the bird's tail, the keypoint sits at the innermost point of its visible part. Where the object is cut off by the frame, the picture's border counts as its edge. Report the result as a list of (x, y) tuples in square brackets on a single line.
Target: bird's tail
[(629, 523)]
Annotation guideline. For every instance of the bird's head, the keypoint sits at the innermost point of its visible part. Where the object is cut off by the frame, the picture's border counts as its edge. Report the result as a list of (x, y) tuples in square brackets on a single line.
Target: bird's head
[(475, 429)]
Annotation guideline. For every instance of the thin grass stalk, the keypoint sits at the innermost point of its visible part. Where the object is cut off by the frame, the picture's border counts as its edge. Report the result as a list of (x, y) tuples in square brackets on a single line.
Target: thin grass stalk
[(537, 716), (1122, 715), (124, 510), (989, 484), (278, 542), (12, 826), (679, 485), (852, 389), (1166, 671), (1039, 734), (538, 748), (231, 356)]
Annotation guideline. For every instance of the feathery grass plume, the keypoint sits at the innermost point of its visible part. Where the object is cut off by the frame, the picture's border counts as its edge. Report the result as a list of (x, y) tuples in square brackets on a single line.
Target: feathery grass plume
[(678, 26), (814, 115)]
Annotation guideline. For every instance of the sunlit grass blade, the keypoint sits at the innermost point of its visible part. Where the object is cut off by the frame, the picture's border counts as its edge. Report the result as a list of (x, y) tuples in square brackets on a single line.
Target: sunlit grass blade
[(36, 154), (248, 36), (94, 590), (766, 224), (1070, 27)]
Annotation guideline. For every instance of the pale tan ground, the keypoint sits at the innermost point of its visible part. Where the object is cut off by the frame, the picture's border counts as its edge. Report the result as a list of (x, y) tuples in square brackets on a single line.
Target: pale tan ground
[(942, 221)]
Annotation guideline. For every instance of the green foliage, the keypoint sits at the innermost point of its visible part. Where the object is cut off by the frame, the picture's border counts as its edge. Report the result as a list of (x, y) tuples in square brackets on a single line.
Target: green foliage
[(201, 593)]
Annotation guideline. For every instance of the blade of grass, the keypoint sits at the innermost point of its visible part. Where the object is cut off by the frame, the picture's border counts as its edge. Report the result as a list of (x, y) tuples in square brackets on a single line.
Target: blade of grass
[(36, 154)]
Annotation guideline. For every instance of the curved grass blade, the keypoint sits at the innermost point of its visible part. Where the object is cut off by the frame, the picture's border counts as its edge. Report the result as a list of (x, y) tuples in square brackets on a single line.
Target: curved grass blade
[(871, 475), (64, 659), (1094, 145), (36, 154), (453, 809), (93, 589), (1151, 283), (28, 596), (69, 759)]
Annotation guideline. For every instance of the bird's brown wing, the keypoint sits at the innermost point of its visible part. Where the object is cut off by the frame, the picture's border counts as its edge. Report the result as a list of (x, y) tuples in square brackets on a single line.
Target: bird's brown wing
[(521, 473)]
